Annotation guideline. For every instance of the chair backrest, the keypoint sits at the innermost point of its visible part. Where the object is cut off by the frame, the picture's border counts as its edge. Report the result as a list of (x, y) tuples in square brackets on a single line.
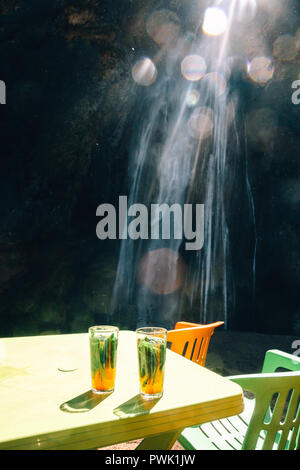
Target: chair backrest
[(276, 416), (275, 359), (191, 340)]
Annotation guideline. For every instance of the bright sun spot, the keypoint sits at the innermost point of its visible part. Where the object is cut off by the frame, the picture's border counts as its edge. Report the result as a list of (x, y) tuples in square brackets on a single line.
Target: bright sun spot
[(215, 21)]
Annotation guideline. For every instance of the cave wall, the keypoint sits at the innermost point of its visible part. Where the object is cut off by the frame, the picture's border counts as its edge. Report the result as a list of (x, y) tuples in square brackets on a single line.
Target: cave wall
[(65, 140)]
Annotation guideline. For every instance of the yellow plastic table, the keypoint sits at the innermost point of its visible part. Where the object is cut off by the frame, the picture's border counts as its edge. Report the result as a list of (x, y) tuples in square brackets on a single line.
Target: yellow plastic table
[(46, 400)]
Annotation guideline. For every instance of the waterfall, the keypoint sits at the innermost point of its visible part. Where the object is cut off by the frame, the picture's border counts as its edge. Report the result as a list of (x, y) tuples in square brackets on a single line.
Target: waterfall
[(184, 148)]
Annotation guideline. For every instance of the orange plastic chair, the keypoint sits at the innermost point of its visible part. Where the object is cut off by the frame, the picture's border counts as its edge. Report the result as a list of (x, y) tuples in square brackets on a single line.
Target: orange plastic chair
[(191, 340)]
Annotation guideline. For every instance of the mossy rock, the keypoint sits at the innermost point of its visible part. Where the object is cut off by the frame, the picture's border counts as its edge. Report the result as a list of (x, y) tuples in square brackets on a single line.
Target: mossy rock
[(98, 285), (28, 328), (82, 322), (49, 332)]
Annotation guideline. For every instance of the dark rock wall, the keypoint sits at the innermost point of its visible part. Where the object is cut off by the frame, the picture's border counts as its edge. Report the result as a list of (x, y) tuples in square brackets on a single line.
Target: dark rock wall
[(65, 139)]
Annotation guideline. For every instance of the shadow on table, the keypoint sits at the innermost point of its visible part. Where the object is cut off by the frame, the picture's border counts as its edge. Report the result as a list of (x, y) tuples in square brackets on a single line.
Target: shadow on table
[(83, 403), (135, 406)]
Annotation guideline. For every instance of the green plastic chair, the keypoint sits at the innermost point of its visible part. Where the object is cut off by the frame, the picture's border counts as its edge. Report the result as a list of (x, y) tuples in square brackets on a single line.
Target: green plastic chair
[(269, 421)]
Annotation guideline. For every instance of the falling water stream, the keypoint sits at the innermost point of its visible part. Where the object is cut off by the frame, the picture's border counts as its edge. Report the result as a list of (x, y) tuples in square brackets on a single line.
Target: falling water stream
[(186, 138)]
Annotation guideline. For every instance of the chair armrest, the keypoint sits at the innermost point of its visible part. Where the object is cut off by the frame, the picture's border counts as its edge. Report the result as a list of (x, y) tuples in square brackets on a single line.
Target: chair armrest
[(246, 380), (275, 358), (256, 382)]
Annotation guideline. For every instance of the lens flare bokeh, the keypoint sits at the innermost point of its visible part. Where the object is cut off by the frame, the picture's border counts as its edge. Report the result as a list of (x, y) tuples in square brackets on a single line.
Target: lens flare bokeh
[(144, 72), (215, 22), (161, 271), (193, 67), (201, 122), (215, 83), (285, 48), (163, 26), (261, 70), (192, 98)]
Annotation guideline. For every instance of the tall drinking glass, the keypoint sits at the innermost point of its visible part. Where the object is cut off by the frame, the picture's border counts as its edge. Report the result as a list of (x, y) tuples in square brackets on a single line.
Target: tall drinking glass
[(103, 355), (151, 346)]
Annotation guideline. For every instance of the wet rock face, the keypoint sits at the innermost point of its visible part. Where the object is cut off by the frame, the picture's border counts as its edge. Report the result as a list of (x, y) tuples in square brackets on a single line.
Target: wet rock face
[(63, 152), (67, 92), (65, 140)]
